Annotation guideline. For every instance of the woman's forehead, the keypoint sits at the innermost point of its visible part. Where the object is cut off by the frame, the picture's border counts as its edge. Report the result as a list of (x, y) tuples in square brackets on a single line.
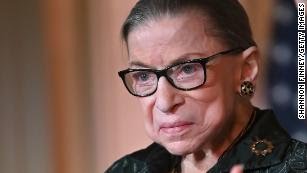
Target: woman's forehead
[(163, 40)]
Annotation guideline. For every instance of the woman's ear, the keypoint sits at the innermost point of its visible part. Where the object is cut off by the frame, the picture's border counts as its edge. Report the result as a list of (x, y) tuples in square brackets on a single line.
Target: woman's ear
[(250, 64), (248, 68)]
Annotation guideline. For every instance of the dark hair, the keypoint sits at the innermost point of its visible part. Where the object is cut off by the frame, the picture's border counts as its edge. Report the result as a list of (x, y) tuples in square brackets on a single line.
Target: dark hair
[(227, 17)]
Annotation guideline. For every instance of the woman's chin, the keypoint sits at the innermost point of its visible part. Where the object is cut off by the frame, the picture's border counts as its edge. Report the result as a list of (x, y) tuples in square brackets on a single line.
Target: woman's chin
[(179, 148)]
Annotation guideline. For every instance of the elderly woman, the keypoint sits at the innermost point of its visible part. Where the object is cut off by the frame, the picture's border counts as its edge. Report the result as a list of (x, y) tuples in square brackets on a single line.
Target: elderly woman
[(193, 65)]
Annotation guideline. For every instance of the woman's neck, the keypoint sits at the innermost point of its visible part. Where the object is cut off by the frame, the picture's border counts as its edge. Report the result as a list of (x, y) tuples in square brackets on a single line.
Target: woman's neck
[(208, 155)]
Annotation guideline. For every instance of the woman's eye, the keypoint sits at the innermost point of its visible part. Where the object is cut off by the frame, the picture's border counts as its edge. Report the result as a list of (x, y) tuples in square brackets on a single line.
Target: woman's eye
[(141, 76), (144, 76), (188, 69), (185, 72)]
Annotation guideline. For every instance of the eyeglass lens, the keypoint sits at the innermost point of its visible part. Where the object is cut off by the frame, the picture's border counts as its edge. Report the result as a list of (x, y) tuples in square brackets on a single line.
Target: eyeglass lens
[(182, 76)]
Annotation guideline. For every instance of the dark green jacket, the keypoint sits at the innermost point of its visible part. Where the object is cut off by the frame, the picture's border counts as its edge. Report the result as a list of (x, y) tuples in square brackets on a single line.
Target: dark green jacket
[(253, 150)]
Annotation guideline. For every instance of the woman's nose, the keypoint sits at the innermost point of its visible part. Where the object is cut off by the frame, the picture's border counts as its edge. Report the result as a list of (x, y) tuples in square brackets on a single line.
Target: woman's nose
[(167, 97)]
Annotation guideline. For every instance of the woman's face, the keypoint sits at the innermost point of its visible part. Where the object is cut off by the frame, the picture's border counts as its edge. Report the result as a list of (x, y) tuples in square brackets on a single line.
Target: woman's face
[(184, 121)]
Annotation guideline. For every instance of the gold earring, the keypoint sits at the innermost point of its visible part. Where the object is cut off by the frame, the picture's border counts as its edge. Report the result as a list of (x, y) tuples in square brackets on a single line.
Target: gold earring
[(247, 89)]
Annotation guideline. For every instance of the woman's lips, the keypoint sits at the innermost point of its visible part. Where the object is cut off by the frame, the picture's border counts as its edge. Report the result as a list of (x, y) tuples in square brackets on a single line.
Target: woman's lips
[(175, 128)]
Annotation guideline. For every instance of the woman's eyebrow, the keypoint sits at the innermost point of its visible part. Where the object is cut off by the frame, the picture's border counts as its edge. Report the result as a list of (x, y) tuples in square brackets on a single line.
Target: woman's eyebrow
[(172, 62), (140, 64), (179, 60), (186, 57)]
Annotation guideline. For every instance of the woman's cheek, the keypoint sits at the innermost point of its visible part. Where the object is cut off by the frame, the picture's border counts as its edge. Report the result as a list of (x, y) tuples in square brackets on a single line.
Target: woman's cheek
[(147, 104)]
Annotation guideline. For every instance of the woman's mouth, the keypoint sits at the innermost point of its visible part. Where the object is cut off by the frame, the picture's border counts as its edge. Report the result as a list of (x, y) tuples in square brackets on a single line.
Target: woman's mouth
[(176, 128)]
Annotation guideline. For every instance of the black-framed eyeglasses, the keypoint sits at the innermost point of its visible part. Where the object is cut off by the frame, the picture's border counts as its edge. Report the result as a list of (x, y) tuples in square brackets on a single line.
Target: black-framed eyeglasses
[(187, 75)]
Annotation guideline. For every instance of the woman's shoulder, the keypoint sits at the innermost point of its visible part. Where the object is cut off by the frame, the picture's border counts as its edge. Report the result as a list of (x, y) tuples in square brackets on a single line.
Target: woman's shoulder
[(297, 155), (142, 160)]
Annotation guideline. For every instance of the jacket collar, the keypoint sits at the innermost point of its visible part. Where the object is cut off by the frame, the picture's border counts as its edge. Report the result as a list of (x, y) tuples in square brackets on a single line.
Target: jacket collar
[(254, 149)]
